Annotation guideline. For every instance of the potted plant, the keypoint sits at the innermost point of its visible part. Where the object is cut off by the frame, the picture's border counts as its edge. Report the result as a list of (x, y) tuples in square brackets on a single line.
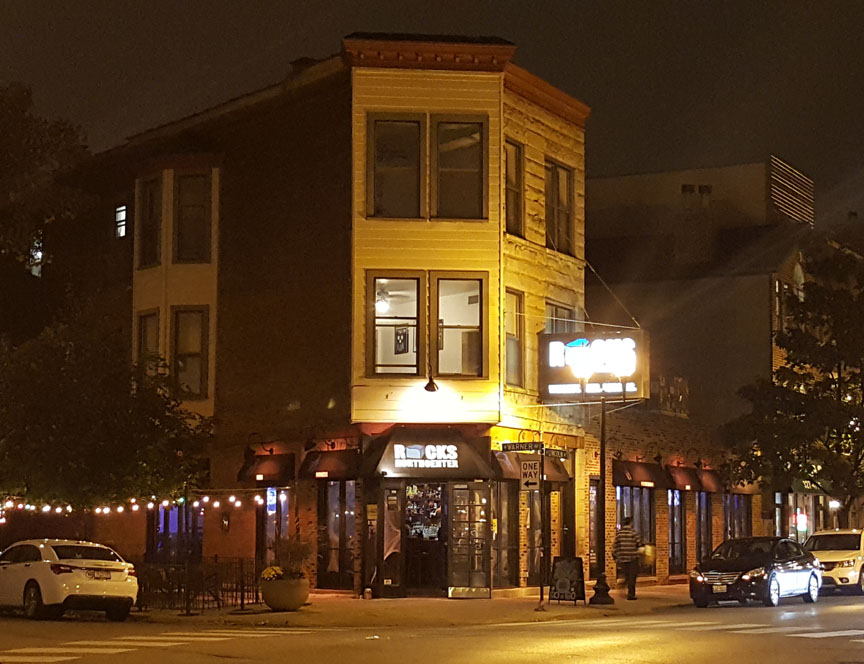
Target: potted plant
[(284, 586)]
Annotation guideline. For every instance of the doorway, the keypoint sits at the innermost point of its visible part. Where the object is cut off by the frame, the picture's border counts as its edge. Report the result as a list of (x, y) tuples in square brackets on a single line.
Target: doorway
[(426, 538), (336, 531)]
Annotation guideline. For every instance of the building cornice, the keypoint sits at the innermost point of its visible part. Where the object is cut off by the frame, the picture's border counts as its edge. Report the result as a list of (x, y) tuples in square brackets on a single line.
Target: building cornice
[(535, 89), (410, 54)]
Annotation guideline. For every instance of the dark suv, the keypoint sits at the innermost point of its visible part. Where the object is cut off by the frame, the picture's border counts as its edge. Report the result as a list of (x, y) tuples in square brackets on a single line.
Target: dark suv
[(762, 568)]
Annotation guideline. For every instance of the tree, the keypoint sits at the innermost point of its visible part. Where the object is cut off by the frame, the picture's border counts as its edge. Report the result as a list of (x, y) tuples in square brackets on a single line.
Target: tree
[(79, 425), (34, 151), (806, 423)]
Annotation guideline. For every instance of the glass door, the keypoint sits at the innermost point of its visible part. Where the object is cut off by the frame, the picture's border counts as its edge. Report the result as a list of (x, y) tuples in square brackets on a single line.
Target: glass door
[(468, 557), (336, 530), (677, 531), (390, 574)]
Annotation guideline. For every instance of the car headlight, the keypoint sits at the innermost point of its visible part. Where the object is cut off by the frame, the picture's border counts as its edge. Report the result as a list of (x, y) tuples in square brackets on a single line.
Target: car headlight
[(756, 573), (846, 563), (697, 575)]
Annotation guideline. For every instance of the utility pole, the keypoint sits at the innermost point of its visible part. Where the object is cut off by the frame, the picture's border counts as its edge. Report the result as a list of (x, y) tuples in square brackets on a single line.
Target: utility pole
[(601, 587)]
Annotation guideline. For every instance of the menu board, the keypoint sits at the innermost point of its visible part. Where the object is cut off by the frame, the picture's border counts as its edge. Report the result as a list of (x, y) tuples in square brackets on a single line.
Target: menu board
[(568, 579)]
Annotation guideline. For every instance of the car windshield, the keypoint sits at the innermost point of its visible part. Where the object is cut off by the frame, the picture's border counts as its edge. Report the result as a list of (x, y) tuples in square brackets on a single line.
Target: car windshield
[(744, 548), (74, 552), (834, 542)]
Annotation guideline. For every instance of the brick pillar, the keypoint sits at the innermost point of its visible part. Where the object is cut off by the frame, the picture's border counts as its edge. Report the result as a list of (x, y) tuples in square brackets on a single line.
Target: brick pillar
[(523, 538), (756, 515), (692, 527), (611, 532), (554, 524), (307, 524), (661, 530), (717, 534)]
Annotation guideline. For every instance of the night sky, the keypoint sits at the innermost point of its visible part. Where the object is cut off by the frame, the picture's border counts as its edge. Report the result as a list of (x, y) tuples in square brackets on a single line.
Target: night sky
[(671, 84)]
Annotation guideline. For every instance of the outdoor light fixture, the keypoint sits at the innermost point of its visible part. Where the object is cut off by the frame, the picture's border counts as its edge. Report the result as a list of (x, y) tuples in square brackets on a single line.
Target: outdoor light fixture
[(431, 386), (834, 504)]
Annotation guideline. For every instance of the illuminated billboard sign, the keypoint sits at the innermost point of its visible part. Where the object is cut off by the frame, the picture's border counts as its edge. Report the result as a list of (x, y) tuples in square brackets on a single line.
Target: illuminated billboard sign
[(585, 366)]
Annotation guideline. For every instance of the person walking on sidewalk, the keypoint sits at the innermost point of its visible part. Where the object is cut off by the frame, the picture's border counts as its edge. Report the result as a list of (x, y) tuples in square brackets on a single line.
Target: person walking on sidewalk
[(626, 553)]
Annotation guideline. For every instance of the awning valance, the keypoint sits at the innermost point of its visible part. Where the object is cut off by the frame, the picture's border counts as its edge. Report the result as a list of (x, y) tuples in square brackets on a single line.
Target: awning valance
[(636, 473), (268, 469), (509, 466), (684, 478), (335, 465), (711, 481), (424, 453)]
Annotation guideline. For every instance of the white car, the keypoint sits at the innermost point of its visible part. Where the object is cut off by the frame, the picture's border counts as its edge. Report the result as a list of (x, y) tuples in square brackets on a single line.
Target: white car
[(46, 577), (841, 553)]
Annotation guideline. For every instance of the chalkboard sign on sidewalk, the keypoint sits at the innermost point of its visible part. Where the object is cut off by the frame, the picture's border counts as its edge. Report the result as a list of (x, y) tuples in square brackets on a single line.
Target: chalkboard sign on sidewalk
[(568, 580)]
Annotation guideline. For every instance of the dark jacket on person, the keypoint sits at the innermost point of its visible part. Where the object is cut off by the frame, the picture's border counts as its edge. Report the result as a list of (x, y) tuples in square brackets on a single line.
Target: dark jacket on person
[(627, 545)]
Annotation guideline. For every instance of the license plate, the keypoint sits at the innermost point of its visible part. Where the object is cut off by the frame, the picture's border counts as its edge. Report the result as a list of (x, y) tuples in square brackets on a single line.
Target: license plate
[(718, 589), (97, 574)]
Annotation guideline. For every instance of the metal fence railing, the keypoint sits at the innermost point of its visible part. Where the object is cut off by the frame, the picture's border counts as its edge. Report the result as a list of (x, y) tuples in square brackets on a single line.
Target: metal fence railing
[(196, 586)]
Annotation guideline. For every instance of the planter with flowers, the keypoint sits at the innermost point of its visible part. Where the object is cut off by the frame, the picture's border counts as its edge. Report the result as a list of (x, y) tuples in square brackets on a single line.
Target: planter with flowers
[(284, 586)]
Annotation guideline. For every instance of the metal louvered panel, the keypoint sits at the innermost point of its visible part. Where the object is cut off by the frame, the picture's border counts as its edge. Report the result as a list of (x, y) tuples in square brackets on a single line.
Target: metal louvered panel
[(722, 577)]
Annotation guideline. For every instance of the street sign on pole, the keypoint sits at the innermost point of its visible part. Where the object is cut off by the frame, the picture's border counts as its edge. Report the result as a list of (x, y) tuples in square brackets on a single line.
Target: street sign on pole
[(529, 474), (522, 447)]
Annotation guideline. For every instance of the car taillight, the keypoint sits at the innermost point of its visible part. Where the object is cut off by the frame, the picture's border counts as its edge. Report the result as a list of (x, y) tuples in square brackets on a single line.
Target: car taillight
[(131, 572), (61, 569)]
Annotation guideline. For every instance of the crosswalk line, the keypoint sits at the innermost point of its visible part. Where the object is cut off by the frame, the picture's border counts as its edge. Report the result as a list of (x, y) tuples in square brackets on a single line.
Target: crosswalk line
[(78, 650), (615, 622), (771, 630), (131, 642), (710, 628), (826, 635), (157, 639), (644, 625), (33, 659), (238, 634)]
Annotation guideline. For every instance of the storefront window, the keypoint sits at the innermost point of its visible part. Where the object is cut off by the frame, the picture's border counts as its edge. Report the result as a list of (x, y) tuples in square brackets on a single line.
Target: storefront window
[(505, 534), (677, 531), (704, 536), (336, 506), (638, 504), (737, 515), (175, 530), (275, 522)]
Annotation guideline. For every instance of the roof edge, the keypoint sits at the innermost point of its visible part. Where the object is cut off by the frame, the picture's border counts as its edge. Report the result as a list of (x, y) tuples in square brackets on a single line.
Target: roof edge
[(546, 95)]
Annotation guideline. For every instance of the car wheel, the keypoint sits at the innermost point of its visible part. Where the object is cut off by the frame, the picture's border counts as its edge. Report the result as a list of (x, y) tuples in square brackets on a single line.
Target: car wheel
[(772, 592), (118, 613), (742, 602), (859, 587), (34, 609), (812, 593), (701, 603)]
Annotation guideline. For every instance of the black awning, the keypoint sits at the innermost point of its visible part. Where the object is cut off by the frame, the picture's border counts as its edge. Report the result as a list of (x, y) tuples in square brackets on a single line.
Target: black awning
[(268, 469), (684, 478), (335, 465), (508, 466), (636, 473), (424, 453), (711, 481)]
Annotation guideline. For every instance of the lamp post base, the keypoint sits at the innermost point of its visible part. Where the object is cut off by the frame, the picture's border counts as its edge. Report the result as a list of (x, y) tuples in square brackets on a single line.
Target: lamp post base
[(601, 592)]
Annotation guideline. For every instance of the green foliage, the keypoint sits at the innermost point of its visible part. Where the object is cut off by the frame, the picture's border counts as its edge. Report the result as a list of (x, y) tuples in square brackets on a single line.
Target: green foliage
[(292, 554), (807, 422), (34, 151), (79, 425)]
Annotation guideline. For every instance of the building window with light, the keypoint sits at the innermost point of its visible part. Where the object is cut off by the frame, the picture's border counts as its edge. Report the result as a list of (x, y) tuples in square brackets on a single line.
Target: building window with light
[(192, 218), (704, 535), (677, 531), (737, 515), (120, 221), (189, 352), (636, 503), (458, 165), (395, 323), (559, 208), (560, 318), (513, 169), (149, 223), (148, 339), (458, 311), (396, 155), (513, 330)]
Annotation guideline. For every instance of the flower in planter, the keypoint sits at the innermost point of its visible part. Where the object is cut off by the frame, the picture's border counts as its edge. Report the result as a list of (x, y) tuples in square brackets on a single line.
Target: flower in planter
[(273, 573), (291, 554)]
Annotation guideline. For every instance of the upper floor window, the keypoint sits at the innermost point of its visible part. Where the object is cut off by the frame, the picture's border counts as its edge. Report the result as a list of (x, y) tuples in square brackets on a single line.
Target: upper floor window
[(150, 223), (397, 183), (148, 337), (560, 318), (559, 208), (192, 218), (189, 352), (398, 334), (120, 221), (513, 329), (513, 189)]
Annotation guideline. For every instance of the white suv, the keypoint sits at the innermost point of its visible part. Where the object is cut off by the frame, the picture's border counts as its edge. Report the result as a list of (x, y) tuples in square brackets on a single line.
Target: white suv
[(46, 577), (841, 553)]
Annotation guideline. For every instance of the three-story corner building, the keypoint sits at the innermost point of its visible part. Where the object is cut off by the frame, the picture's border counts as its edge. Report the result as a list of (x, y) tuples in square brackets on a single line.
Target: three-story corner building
[(348, 271)]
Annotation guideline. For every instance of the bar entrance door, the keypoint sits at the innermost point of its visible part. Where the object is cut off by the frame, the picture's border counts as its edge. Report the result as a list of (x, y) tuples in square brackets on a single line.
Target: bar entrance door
[(468, 538)]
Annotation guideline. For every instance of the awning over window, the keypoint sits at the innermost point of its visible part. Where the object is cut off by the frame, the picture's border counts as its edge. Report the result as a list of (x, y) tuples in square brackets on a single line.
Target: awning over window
[(750, 488), (636, 473), (424, 453), (268, 469), (684, 478), (335, 465), (711, 481), (509, 466)]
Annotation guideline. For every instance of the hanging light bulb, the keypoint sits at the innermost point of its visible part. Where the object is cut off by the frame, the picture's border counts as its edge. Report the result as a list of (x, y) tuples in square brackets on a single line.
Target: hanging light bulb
[(150, 506), (120, 508), (382, 304), (216, 503), (135, 508)]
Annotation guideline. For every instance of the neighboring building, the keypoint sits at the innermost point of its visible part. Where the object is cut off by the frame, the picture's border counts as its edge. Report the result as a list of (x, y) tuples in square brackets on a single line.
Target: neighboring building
[(313, 260), (704, 259)]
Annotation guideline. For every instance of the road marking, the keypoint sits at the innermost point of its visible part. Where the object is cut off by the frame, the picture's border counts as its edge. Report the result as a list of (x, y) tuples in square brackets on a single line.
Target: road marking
[(643, 625), (137, 644), (33, 659), (74, 651), (771, 630), (825, 635), (238, 634), (157, 639), (709, 628)]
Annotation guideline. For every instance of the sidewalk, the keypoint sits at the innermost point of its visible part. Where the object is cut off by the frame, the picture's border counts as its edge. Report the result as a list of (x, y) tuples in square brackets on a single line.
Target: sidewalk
[(329, 610)]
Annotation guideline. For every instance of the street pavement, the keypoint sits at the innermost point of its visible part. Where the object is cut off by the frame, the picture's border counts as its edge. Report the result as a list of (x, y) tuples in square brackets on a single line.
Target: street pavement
[(659, 628)]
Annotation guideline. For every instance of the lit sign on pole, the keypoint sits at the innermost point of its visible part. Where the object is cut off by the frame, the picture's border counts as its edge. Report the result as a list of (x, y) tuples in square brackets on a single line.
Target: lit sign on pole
[(585, 366)]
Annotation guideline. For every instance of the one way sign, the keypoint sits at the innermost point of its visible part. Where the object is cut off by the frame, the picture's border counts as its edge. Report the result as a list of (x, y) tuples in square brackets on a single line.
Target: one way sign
[(529, 476)]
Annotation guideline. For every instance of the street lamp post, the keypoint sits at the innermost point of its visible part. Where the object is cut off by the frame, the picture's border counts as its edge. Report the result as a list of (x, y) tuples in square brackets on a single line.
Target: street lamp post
[(601, 587)]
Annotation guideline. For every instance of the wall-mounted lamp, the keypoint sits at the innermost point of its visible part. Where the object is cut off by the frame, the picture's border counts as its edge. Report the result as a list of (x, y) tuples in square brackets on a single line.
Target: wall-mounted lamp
[(658, 459), (698, 463), (618, 454)]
